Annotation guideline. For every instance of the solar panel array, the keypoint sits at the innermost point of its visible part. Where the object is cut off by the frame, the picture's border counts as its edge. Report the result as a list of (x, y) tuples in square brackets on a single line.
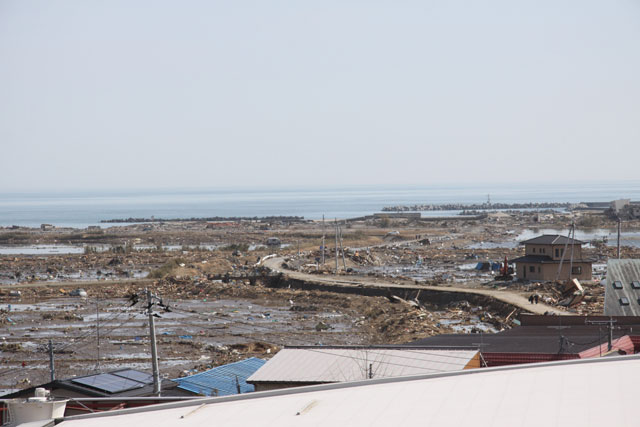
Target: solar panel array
[(116, 382)]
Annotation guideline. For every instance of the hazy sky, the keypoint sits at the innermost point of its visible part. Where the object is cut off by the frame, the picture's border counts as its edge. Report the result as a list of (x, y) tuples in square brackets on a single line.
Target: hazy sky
[(152, 94)]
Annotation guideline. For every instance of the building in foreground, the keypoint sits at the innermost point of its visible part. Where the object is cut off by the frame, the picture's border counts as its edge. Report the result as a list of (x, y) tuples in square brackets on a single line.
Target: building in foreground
[(590, 392), (311, 365), (543, 256), (222, 380), (117, 383), (548, 338)]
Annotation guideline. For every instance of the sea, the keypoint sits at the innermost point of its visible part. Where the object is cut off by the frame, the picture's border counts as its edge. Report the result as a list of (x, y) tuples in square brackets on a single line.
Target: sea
[(81, 209)]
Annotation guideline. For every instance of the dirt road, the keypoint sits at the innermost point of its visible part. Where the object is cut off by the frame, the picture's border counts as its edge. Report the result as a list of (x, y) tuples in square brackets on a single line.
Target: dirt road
[(513, 298)]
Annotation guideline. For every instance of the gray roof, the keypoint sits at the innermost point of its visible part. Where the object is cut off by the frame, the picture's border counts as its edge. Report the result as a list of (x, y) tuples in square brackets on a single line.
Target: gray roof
[(624, 271), (551, 239), (326, 364)]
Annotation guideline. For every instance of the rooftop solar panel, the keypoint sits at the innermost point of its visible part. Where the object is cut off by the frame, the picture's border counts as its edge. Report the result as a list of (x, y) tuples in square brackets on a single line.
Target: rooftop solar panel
[(108, 383), (131, 374)]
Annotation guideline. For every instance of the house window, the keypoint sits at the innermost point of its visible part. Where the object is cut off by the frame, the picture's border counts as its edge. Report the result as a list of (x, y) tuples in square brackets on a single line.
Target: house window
[(576, 270), (617, 284), (624, 301), (635, 284), (557, 252), (534, 250), (544, 251), (538, 269), (532, 269)]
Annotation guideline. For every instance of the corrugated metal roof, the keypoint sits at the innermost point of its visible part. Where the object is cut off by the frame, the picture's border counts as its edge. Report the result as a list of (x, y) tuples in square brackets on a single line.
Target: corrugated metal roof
[(334, 364), (222, 380), (625, 271), (588, 392)]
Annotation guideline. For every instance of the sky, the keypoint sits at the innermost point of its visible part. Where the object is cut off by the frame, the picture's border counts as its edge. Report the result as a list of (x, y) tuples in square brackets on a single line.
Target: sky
[(209, 94)]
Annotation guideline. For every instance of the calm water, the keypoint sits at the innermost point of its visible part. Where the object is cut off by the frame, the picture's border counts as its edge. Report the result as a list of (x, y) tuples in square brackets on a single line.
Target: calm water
[(82, 209)]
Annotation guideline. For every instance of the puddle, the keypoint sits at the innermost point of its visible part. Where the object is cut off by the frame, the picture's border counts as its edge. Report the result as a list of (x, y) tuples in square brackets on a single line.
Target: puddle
[(41, 250), (467, 328), (493, 245)]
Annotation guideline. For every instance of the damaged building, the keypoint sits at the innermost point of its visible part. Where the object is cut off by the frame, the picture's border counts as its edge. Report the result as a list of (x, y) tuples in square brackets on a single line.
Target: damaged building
[(553, 257)]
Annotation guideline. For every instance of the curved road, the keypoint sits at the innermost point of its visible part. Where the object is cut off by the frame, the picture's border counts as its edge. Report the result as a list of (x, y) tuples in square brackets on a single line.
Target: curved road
[(515, 299)]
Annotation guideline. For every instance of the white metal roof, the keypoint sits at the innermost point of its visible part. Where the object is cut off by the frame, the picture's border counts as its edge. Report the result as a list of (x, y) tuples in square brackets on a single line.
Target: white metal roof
[(334, 364), (587, 392)]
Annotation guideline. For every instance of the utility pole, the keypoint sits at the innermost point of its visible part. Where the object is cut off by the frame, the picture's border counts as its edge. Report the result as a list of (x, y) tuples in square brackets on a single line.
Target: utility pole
[(609, 324), (154, 350), (98, 333), (52, 367), (336, 222), (344, 263), (619, 226), (322, 239)]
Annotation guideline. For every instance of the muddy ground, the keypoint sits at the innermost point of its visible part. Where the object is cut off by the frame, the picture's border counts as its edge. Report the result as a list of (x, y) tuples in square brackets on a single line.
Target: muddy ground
[(223, 310)]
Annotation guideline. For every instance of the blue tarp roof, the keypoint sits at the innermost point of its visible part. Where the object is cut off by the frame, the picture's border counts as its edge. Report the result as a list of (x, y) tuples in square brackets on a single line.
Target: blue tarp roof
[(221, 381)]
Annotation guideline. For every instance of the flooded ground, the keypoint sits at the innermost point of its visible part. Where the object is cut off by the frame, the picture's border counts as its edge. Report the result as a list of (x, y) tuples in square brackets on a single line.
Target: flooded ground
[(608, 237), (206, 326), (219, 315), (62, 249), (186, 335), (459, 274)]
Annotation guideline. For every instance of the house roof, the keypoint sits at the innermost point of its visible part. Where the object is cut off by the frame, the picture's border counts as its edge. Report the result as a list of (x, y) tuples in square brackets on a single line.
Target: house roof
[(625, 272), (551, 239), (118, 383), (588, 392), (570, 339), (321, 364), (223, 380)]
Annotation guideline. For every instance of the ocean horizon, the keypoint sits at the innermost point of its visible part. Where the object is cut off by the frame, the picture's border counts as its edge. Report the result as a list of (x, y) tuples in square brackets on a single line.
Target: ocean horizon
[(83, 208)]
